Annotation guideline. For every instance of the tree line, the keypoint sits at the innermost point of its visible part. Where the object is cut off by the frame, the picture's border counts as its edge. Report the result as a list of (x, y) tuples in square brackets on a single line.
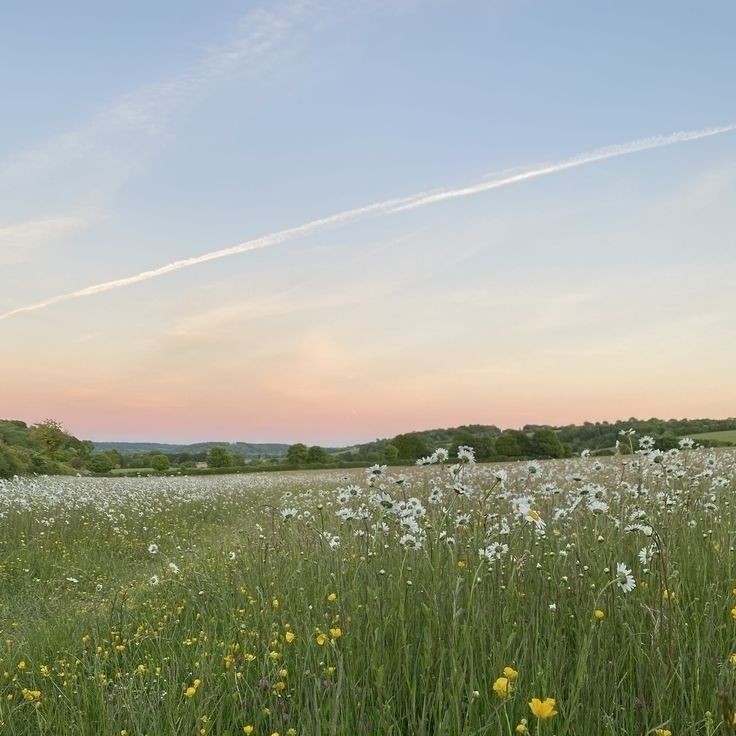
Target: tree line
[(46, 448)]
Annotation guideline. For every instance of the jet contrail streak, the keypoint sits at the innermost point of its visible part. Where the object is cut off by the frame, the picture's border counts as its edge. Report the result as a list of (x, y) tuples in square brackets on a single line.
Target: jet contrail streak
[(389, 206)]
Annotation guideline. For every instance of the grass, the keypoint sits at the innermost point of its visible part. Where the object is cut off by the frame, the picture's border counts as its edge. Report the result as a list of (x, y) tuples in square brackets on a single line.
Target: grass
[(346, 603), (726, 435)]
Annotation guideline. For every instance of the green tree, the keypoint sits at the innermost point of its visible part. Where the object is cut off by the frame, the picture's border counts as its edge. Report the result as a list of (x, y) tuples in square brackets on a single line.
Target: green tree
[(115, 458), (317, 455), (410, 446), (219, 457), (9, 464), (160, 463), (50, 435), (390, 453), (667, 441), (100, 462), (297, 454), (546, 443), (507, 445)]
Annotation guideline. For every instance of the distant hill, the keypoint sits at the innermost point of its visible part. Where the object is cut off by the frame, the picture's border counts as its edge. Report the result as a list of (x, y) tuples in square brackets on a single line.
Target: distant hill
[(44, 449), (241, 449), (491, 443), (429, 438)]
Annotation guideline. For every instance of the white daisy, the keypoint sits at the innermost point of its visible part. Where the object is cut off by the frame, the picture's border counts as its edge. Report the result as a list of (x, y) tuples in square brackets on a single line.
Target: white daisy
[(624, 578)]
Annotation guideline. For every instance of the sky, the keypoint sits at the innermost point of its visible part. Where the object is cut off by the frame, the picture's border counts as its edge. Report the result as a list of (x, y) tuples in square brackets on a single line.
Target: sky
[(138, 135)]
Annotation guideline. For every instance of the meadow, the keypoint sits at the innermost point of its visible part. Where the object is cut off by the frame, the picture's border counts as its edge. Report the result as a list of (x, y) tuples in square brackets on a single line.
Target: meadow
[(584, 596), (726, 435)]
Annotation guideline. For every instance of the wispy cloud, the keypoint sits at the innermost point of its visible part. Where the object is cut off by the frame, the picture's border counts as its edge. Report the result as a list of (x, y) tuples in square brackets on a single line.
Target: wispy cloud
[(135, 117), (18, 239), (385, 207)]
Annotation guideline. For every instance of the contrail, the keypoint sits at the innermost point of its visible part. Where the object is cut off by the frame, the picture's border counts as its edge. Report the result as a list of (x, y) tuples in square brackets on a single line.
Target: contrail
[(389, 206)]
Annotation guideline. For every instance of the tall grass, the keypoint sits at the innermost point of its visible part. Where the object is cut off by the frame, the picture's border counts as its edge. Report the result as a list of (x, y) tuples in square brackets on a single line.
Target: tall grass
[(353, 603)]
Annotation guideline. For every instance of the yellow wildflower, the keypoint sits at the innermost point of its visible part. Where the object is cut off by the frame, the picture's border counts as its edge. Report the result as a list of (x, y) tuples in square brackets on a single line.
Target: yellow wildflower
[(543, 708), (247, 730), (191, 691), (336, 632), (510, 672), (289, 637), (663, 732), (332, 597), (599, 615), (321, 640), (502, 687)]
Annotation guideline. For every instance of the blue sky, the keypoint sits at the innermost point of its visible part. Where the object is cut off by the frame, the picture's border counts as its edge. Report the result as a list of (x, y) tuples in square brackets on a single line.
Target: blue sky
[(138, 134)]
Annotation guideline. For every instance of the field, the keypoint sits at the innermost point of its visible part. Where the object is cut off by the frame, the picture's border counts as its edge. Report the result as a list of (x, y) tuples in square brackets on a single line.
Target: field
[(727, 435), (443, 600)]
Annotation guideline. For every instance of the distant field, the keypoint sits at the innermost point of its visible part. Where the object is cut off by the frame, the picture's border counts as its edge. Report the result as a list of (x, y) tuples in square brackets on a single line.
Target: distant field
[(131, 471), (727, 435)]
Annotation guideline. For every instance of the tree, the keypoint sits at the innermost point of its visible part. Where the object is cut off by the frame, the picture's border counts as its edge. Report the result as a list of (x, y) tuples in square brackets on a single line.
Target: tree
[(297, 454), (9, 464), (483, 445), (100, 463), (546, 443), (115, 458), (317, 455), (219, 457), (390, 453), (50, 435), (160, 463), (410, 446), (507, 445)]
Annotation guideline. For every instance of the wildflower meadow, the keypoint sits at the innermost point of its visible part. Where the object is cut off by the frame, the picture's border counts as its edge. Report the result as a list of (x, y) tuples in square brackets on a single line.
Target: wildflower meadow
[(584, 596)]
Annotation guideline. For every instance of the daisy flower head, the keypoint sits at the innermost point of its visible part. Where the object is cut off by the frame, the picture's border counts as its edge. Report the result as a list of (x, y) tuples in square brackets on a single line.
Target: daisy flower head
[(624, 578), (532, 515)]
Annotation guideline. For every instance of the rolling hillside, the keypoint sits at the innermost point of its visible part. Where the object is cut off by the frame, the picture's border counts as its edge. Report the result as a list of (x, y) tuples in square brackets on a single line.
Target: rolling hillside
[(242, 449)]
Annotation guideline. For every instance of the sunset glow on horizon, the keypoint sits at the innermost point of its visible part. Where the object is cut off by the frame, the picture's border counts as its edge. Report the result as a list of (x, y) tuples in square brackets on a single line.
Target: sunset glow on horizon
[(565, 294)]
